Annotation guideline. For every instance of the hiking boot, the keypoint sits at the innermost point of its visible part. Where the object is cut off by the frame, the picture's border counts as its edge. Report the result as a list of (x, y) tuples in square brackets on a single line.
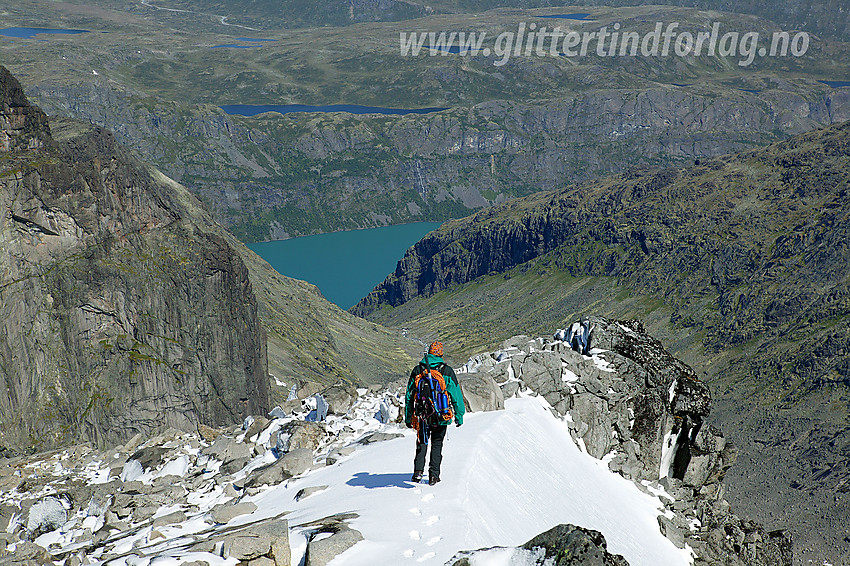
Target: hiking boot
[(433, 479), (417, 477)]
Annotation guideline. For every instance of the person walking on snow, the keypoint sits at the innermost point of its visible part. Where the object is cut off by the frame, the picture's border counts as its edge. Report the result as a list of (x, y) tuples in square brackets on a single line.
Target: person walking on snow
[(432, 400)]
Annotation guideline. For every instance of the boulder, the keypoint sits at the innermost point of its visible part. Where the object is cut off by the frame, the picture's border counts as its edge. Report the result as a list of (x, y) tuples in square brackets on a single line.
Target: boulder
[(568, 545), (338, 453), (233, 455), (245, 545), (300, 434), (257, 426), (27, 554), (340, 398), (308, 491), (379, 437), (226, 511), (149, 457), (480, 392), (290, 464), (46, 515), (169, 519), (323, 550), (563, 545)]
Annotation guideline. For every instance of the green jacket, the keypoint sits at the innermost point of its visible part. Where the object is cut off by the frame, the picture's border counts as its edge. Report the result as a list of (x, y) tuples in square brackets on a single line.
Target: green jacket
[(452, 386)]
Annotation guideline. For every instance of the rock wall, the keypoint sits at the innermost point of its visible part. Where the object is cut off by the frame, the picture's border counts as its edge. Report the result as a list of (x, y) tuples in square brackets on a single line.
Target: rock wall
[(270, 177), (122, 311)]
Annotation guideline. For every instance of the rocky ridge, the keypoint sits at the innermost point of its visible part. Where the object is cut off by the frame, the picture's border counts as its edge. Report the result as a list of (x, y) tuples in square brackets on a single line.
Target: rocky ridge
[(740, 262), (183, 496), (642, 411)]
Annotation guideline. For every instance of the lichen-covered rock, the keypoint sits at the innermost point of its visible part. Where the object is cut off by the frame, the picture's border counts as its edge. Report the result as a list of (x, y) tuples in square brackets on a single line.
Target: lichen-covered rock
[(340, 398), (480, 392)]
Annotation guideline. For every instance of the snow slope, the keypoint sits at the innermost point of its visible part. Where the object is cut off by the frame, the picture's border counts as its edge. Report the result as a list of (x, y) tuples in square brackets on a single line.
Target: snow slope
[(507, 476)]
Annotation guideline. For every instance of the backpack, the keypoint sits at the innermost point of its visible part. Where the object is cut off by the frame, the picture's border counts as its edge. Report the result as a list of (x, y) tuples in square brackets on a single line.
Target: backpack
[(431, 400)]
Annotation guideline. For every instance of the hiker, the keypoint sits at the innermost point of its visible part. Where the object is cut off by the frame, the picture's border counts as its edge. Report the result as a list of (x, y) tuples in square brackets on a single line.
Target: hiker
[(580, 336), (432, 400)]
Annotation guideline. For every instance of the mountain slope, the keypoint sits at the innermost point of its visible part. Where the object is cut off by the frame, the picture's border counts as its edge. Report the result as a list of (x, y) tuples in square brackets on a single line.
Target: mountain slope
[(740, 262)]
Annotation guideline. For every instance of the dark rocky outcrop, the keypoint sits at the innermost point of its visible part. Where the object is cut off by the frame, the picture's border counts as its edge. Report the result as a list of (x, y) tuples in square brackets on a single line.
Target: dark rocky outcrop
[(123, 311), (562, 545)]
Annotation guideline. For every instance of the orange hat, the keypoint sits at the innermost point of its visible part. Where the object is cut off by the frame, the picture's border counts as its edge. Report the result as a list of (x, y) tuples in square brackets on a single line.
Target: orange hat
[(436, 349)]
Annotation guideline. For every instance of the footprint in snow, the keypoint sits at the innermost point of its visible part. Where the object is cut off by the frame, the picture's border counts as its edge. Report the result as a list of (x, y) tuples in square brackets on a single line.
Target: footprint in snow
[(408, 553), (432, 520), (414, 535), (425, 557), (432, 541), (428, 498), (416, 512)]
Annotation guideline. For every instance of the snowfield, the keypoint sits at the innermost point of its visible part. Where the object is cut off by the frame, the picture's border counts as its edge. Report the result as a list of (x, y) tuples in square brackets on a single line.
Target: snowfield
[(506, 477)]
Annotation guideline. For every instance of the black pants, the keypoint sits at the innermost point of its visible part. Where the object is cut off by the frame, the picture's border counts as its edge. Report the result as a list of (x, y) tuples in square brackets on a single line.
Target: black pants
[(437, 435)]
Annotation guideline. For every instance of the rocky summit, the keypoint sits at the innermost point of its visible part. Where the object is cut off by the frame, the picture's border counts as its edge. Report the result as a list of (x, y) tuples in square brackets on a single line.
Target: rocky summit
[(122, 311), (299, 487)]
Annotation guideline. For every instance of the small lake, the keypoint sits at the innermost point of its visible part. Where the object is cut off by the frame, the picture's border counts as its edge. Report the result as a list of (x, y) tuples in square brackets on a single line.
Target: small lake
[(578, 16), (836, 84), (254, 109), (29, 33), (345, 266)]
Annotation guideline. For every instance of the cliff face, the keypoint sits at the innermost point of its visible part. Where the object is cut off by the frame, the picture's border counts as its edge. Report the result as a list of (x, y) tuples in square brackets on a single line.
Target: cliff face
[(275, 177), (122, 309)]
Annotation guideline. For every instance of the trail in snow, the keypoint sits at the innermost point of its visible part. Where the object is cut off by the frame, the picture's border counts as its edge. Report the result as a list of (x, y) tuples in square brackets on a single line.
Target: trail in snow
[(507, 476)]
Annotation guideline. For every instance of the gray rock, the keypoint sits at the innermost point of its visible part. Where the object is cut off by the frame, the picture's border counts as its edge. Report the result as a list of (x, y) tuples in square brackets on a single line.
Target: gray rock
[(563, 545), (340, 398), (568, 545), (290, 464), (47, 515), (308, 491), (245, 546), (320, 552), (257, 425), (233, 455), (379, 437), (173, 517), (278, 413), (337, 454), (509, 389), (277, 531), (302, 434), (480, 392), (226, 511), (671, 531), (27, 554)]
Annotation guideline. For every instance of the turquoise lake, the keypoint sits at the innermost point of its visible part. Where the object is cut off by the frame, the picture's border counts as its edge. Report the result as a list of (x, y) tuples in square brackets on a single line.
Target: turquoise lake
[(345, 266)]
